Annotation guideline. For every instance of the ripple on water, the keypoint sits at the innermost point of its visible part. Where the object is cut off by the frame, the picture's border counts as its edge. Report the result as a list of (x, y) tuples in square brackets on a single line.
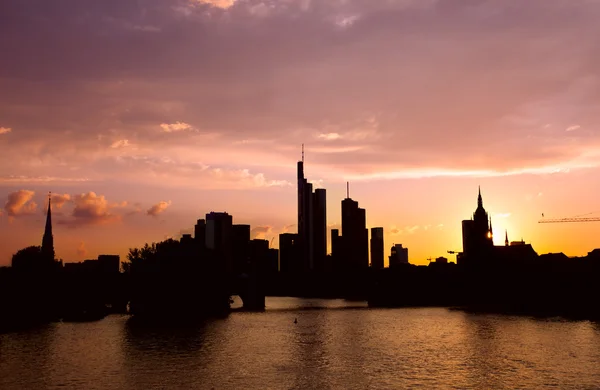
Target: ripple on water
[(334, 345)]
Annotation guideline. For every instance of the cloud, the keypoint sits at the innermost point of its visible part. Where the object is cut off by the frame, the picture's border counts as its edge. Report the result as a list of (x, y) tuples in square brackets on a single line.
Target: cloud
[(261, 232), (5, 130), (573, 128), (289, 228), (58, 200), (278, 73), (122, 143), (174, 127), (81, 250), (39, 179), (395, 231), (158, 208), (501, 215), (20, 203), (330, 136), (90, 209), (217, 3)]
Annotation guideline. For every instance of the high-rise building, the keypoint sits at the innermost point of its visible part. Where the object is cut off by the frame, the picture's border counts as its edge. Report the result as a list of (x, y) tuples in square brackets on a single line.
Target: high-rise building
[(48, 238), (288, 253), (398, 256), (219, 237), (312, 222), (355, 236), (319, 233), (377, 248), (240, 249), (200, 232)]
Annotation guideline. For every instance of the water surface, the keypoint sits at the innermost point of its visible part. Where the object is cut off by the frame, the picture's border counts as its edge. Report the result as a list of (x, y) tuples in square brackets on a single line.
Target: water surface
[(335, 345)]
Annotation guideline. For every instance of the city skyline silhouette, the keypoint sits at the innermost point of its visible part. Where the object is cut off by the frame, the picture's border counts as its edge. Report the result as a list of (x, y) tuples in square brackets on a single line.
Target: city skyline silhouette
[(208, 114)]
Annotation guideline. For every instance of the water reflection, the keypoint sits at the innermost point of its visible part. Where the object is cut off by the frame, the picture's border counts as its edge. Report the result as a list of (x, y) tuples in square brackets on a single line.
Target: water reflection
[(344, 347), (26, 358)]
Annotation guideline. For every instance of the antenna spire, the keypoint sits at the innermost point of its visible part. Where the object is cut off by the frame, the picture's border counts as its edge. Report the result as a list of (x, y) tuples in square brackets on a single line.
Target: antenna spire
[(302, 152), (348, 189)]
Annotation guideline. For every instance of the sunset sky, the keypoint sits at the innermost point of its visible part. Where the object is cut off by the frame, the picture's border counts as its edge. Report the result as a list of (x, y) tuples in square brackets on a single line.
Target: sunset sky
[(143, 115)]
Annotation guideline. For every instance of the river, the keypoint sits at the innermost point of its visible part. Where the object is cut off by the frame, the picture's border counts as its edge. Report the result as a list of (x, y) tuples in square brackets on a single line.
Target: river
[(334, 345)]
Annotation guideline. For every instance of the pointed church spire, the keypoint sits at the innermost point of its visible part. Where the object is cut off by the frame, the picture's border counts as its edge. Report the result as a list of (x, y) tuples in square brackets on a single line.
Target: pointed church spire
[(506, 237), (48, 239), (479, 199)]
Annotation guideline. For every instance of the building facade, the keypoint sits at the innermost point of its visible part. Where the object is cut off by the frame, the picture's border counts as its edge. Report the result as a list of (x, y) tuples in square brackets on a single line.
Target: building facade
[(377, 248)]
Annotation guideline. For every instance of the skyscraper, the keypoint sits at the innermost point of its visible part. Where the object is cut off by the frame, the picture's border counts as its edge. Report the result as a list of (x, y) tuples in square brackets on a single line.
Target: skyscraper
[(377, 248), (355, 236), (312, 223), (319, 231), (219, 238), (288, 253), (200, 232), (48, 238), (241, 248)]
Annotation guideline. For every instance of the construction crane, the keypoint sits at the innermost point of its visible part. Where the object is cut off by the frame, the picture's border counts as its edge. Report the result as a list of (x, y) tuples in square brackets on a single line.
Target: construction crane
[(573, 219), (576, 218)]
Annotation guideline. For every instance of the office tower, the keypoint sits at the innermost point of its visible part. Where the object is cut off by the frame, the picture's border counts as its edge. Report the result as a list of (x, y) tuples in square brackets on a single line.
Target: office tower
[(200, 232), (288, 253), (258, 254), (377, 248), (319, 232), (48, 238), (355, 236), (240, 249), (312, 223), (398, 256), (336, 254), (219, 238)]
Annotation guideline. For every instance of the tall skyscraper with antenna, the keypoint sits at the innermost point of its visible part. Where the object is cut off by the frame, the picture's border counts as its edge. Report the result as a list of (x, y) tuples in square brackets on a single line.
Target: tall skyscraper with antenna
[(355, 235), (312, 224)]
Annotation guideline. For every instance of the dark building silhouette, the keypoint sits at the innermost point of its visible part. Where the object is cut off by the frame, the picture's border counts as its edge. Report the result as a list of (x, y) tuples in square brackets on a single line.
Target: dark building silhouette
[(288, 253), (48, 238), (478, 237), (398, 256), (377, 248), (336, 255), (110, 264), (200, 232), (272, 264), (240, 249), (319, 231), (478, 245), (355, 236), (312, 222), (219, 237)]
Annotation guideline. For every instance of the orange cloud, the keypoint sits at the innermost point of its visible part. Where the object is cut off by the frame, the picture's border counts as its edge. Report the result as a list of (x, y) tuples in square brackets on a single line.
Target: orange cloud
[(158, 208), (174, 127), (91, 209), (5, 130), (217, 3), (81, 249), (59, 200), (20, 203), (261, 231)]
